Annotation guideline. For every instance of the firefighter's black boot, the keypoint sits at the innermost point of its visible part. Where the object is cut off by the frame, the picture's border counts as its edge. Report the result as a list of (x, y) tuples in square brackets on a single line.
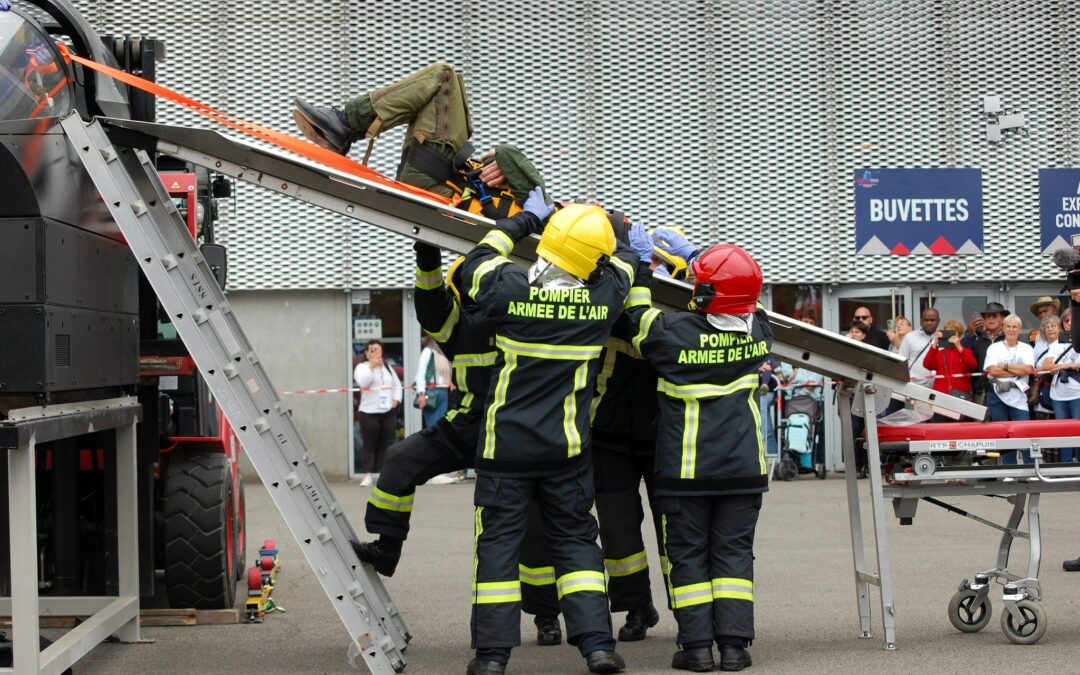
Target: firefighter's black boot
[(604, 662), (698, 660), (325, 127), (734, 658), (548, 630), (383, 554), (478, 667), (638, 621)]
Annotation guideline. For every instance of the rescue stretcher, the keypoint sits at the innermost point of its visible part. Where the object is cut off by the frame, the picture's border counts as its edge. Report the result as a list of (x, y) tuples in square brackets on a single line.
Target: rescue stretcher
[(924, 462)]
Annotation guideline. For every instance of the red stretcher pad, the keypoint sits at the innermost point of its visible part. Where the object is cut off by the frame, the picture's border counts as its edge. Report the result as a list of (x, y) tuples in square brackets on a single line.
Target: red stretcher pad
[(957, 431)]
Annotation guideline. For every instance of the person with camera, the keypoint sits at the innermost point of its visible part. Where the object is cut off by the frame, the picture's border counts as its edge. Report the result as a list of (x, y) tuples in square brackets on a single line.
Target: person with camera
[(952, 361), (1009, 364), (1063, 362)]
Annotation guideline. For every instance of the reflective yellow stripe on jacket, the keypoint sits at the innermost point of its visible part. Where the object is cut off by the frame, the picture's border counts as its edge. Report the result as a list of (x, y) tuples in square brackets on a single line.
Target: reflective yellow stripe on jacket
[(498, 400), (482, 270), (427, 280), (696, 391), (691, 394), (500, 241), (447, 329), (644, 325)]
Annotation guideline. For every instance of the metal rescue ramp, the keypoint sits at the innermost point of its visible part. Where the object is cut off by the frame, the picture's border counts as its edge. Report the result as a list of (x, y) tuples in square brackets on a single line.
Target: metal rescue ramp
[(869, 377), (129, 184)]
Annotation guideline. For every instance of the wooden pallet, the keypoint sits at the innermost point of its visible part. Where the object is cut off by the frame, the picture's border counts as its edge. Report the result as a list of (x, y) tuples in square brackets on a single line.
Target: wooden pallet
[(153, 617)]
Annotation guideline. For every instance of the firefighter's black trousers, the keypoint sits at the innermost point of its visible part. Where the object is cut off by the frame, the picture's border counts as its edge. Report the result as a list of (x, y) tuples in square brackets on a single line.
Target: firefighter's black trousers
[(620, 512), (438, 450), (502, 506), (710, 543)]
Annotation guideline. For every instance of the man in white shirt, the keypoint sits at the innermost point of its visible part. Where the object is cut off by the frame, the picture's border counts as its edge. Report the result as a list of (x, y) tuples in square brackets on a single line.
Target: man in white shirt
[(915, 345)]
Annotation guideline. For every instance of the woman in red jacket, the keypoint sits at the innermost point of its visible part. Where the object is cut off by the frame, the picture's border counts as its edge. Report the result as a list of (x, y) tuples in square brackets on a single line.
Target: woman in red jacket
[(953, 362)]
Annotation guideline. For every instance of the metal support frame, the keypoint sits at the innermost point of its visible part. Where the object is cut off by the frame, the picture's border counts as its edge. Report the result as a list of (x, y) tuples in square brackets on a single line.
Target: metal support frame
[(118, 615)]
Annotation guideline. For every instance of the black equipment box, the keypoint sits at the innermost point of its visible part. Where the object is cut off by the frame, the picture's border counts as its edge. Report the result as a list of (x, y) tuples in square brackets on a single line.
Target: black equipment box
[(69, 309)]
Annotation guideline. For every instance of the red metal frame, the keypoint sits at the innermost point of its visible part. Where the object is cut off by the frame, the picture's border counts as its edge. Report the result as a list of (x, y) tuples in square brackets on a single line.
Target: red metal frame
[(183, 185)]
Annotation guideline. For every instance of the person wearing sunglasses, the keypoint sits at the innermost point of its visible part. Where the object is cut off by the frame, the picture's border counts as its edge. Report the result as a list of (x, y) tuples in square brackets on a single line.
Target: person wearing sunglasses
[(874, 336)]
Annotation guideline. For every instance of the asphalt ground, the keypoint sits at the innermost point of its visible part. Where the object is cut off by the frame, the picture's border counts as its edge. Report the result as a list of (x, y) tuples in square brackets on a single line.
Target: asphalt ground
[(807, 620)]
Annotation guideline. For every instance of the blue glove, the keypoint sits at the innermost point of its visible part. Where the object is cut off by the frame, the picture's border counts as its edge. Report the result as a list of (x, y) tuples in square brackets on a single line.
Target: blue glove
[(641, 242), (5, 5), (536, 203), (672, 242)]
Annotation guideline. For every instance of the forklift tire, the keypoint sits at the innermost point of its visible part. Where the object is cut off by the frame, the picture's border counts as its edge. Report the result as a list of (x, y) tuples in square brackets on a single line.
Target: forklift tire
[(240, 532), (200, 571)]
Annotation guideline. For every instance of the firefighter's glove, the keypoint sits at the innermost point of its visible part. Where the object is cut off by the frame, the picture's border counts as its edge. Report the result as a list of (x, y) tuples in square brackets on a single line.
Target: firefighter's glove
[(673, 243), (536, 204), (5, 5), (641, 242), (428, 257)]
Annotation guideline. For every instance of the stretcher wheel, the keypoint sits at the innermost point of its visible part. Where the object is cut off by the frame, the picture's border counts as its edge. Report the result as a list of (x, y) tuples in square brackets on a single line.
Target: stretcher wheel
[(965, 615), (924, 466), (1031, 629), (267, 563), (820, 471)]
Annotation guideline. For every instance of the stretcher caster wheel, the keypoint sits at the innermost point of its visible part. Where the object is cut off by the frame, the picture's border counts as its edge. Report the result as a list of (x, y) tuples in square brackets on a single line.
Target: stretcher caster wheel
[(968, 616), (1028, 631), (820, 471), (924, 466)]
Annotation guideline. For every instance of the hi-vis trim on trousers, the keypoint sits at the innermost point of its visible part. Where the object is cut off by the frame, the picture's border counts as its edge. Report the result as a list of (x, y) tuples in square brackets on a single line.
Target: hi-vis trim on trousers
[(575, 582), (733, 589), (492, 592), (386, 501), (693, 594), (536, 576), (624, 567)]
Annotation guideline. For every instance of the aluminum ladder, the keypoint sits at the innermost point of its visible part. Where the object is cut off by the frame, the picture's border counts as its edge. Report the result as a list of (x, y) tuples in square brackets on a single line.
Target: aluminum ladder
[(129, 185)]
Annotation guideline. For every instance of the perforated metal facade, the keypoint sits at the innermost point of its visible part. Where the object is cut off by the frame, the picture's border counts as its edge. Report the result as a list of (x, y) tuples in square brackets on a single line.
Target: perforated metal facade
[(739, 120)]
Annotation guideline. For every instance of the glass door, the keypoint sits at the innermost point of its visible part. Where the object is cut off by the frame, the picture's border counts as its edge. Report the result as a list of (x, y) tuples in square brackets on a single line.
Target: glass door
[(883, 304)]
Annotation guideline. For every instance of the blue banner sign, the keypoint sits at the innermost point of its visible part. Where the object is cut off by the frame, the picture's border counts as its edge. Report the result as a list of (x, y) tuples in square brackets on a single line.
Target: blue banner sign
[(1059, 207), (918, 211)]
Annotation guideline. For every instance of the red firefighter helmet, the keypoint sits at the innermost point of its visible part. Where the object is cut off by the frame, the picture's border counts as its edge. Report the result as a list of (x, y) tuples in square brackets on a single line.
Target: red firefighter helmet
[(727, 281)]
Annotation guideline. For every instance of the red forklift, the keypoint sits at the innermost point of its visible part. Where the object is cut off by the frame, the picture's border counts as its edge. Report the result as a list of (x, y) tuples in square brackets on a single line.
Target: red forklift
[(79, 323)]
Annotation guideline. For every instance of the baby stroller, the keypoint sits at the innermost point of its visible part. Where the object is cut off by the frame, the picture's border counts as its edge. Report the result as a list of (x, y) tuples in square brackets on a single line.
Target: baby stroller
[(799, 451)]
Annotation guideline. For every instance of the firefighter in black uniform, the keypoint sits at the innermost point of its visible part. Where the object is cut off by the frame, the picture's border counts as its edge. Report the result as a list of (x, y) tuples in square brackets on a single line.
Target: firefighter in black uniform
[(710, 457), (466, 337), (624, 412), (550, 326)]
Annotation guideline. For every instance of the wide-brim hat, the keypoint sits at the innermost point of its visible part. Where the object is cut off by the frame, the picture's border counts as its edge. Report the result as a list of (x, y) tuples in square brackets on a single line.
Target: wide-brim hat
[(1045, 300), (994, 308)]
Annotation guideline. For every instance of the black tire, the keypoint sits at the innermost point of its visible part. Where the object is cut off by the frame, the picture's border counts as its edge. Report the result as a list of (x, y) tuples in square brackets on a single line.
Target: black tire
[(240, 533), (787, 469), (199, 569)]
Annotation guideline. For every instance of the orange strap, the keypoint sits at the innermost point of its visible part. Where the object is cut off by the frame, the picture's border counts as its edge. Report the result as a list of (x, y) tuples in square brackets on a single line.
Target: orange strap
[(281, 140)]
